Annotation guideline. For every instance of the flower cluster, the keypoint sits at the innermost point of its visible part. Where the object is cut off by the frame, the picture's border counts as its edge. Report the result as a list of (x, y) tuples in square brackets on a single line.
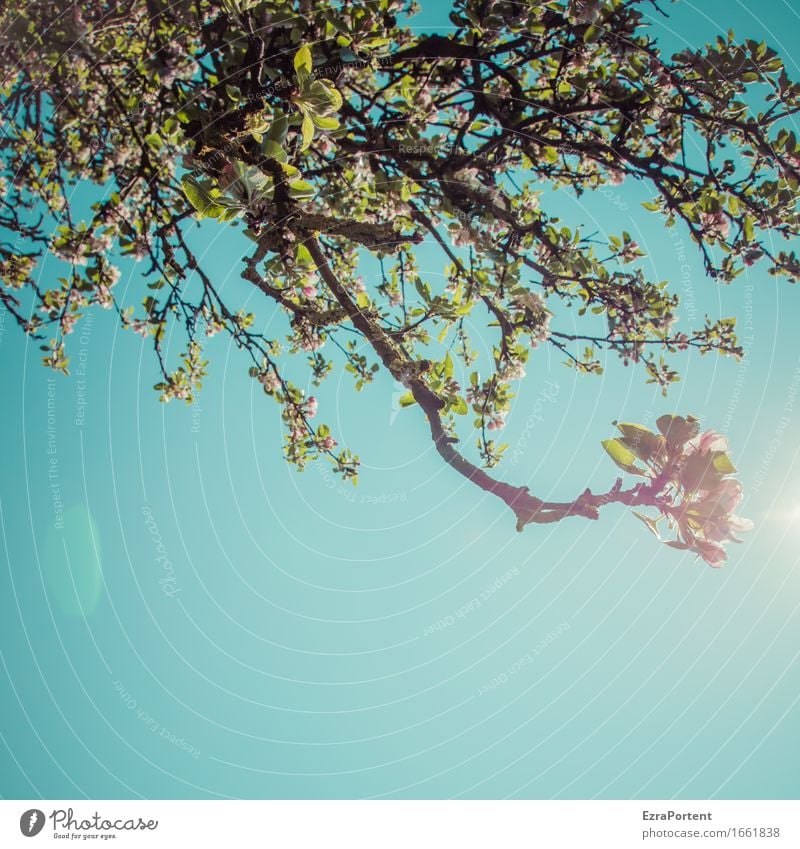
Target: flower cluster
[(535, 316), (715, 224), (269, 380), (706, 518), (77, 246), (511, 369), (182, 383), (307, 336), (690, 483), (15, 270), (489, 400)]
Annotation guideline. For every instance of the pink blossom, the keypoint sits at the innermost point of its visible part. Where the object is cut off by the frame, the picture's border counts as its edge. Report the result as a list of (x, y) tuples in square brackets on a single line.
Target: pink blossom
[(715, 224), (311, 406), (68, 322), (738, 524), (497, 422), (103, 296), (708, 441), (728, 495), (711, 552), (616, 177), (270, 381)]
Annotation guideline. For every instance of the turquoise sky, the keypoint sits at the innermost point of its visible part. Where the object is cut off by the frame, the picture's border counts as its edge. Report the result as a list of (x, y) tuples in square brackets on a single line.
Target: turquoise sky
[(211, 623)]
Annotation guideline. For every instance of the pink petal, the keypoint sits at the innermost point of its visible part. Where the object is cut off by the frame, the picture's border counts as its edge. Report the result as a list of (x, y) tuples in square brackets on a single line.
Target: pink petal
[(712, 553), (737, 523)]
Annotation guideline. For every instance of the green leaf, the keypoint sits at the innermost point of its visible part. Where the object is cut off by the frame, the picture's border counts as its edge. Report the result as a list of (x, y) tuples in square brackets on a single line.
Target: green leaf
[(323, 98), (303, 63), (722, 463), (699, 472), (272, 150), (153, 141), (301, 189), (225, 213), (407, 400), (202, 196), (406, 89), (307, 132), (622, 456), (290, 171), (640, 440), (678, 430), (592, 33), (279, 128), (323, 122), (448, 365), (460, 406), (302, 255)]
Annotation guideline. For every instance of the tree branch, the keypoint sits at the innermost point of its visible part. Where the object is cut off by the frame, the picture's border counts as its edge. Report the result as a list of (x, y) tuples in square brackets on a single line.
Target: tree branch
[(527, 508)]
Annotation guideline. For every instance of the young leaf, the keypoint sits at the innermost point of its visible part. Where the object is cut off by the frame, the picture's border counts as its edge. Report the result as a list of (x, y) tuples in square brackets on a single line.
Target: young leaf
[(407, 400), (303, 63), (272, 150), (323, 122), (300, 189), (448, 365), (323, 98), (592, 33), (278, 128), (622, 456), (722, 463), (678, 430), (307, 131), (699, 472), (460, 407), (201, 195), (640, 440)]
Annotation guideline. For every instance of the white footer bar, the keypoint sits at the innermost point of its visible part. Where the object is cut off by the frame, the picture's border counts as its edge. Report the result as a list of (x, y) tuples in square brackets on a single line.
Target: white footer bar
[(403, 824)]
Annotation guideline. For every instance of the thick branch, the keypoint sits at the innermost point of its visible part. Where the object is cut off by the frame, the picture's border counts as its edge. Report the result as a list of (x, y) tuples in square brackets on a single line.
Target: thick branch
[(527, 508)]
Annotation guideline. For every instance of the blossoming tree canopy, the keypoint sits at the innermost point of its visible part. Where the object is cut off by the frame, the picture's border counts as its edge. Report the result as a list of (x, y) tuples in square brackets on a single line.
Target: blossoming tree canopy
[(335, 133)]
